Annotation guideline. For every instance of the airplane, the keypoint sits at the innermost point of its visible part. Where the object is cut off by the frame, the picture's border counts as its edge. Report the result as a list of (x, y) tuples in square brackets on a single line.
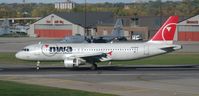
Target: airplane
[(117, 33), (75, 55), (75, 39)]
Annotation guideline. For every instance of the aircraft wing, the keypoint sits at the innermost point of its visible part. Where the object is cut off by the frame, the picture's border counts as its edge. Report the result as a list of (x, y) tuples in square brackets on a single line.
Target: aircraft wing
[(89, 55), (99, 56)]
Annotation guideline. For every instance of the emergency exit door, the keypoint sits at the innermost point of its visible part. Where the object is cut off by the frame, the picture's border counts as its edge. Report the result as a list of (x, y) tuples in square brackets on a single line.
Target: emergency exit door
[(146, 50)]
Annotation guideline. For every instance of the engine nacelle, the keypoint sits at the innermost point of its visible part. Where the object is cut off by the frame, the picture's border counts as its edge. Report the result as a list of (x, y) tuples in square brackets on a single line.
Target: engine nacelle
[(74, 62)]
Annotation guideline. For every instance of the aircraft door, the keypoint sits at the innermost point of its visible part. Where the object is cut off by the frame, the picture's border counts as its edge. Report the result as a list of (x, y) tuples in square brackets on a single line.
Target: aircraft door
[(146, 49), (37, 51)]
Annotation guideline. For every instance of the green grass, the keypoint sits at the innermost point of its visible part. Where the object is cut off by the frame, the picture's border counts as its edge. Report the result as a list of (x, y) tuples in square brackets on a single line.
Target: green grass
[(9, 58), (180, 58), (8, 88)]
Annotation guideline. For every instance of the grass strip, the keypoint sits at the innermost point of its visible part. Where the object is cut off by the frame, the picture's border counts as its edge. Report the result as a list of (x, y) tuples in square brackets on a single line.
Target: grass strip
[(8, 88)]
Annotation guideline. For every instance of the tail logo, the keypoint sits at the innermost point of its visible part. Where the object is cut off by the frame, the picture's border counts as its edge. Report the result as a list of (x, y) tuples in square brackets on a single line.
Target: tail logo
[(168, 31), (110, 53)]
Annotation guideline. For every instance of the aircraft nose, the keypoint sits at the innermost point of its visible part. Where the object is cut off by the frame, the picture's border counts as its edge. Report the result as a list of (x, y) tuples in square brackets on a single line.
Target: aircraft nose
[(19, 55)]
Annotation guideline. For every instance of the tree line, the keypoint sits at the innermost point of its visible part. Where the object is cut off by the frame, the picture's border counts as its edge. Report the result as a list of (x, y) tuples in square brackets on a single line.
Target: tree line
[(151, 8)]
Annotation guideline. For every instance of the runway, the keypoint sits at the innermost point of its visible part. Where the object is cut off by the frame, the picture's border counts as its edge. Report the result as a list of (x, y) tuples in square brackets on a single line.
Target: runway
[(124, 81), (30, 69)]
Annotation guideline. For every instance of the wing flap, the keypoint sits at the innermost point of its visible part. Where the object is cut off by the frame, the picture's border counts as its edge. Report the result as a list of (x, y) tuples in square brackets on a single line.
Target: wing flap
[(90, 57)]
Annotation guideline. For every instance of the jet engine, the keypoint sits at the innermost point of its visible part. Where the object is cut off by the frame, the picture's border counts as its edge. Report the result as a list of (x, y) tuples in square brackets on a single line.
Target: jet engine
[(74, 62)]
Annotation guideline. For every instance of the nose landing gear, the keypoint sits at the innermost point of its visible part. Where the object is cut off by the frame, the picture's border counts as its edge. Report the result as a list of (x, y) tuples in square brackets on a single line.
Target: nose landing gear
[(38, 65)]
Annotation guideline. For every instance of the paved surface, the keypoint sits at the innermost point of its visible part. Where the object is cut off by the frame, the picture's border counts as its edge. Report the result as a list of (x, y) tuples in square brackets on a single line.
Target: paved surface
[(16, 44), (189, 47), (124, 81)]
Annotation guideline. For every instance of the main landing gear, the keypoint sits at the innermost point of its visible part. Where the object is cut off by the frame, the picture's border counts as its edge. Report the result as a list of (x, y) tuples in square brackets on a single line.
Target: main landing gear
[(94, 66), (38, 65)]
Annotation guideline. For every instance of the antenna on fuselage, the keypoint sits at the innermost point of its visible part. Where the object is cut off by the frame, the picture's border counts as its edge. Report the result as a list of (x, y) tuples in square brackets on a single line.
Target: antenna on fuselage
[(40, 42)]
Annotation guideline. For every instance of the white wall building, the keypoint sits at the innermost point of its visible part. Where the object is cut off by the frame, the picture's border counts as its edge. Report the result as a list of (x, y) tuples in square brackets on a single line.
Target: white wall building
[(188, 29), (55, 27), (60, 25), (68, 4)]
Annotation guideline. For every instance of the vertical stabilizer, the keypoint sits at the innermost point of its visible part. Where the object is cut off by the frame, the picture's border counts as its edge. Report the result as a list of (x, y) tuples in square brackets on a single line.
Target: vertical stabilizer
[(166, 33), (118, 29)]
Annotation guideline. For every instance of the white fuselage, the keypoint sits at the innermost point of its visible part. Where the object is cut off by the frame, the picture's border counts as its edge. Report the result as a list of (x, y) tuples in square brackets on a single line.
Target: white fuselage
[(118, 51)]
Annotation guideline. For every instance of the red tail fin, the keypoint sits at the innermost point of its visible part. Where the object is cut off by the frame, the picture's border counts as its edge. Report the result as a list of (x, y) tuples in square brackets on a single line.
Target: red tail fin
[(167, 31)]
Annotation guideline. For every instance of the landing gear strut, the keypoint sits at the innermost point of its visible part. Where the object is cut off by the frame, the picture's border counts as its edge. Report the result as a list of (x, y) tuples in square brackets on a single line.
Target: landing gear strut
[(38, 65), (94, 66)]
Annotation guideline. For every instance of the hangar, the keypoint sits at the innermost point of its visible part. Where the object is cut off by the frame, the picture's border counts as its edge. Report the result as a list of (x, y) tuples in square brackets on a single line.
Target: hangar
[(188, 29), (59, 25), (132, 28)]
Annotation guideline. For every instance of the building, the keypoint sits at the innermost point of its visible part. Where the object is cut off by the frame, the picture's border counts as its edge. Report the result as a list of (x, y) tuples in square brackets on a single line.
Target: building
[(152, 24), (68, 4), (126, 7), (4, 27), (129, 31), (133, 26), (188, 29), (59, 25)]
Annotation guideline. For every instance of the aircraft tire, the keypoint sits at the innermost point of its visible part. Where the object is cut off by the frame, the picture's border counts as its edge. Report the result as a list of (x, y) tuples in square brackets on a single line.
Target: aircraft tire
[(94, 67)]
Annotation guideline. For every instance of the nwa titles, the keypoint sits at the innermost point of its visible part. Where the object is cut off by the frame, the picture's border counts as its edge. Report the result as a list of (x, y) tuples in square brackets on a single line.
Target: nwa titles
[(53, 49)]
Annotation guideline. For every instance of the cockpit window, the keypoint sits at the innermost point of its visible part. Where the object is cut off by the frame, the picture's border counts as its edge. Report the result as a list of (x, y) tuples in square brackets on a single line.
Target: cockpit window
[(25, 49)]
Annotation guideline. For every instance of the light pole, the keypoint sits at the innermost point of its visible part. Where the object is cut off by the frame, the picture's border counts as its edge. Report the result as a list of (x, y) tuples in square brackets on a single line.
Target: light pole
[(85, 18), (161, 14)]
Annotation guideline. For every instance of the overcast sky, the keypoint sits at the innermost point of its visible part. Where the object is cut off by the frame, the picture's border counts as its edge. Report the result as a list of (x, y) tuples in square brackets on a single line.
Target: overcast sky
[(78, 1)]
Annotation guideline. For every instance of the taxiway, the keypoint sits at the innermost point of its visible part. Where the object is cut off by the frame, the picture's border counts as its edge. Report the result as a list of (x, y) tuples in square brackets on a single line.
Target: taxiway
[(124, 81)]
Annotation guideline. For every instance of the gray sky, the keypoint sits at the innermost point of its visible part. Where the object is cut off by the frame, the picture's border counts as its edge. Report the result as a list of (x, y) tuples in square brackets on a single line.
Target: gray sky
[(78, 1)]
